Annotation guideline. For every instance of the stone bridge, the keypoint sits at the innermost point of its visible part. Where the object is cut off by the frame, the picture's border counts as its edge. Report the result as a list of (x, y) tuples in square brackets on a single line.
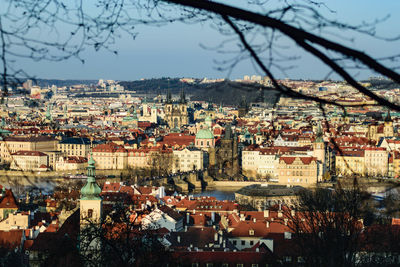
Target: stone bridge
[(184, 182)]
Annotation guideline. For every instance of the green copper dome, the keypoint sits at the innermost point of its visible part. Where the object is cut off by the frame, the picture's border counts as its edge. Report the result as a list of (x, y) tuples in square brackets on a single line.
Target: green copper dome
[(91, 190), (204, 133), (135, 118)]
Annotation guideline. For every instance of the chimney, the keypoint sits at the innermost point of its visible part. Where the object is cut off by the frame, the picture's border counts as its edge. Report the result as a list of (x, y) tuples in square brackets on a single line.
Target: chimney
[(266, 213), (267, 224)]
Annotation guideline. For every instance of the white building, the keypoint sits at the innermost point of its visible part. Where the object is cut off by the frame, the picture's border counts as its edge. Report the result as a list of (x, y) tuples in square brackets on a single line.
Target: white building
[(163, 217), (188, 159), (286, 140), (29, 161), (260, 161)]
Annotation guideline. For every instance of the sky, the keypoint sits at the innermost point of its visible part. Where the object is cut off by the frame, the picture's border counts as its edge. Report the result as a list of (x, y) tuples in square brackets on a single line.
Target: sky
[(175, 50)]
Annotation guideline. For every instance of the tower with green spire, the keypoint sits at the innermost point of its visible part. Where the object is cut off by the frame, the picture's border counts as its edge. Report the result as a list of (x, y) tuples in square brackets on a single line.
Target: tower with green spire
[(90, 201), (319, 145), (48, 113)]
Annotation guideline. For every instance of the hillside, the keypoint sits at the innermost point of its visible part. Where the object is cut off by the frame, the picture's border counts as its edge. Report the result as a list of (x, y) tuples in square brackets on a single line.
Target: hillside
[(226, 92)]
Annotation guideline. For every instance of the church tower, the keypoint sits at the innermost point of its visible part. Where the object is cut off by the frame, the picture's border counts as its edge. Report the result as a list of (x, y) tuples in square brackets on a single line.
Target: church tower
[(319, 145), (388, 126), (90, 202), (176, 113), (154, 118), (48, 114)]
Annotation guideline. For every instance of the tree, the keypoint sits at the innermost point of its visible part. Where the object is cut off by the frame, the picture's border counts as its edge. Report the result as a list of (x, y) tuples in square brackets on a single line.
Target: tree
[(161, 163), (328, 225), (123, 241)]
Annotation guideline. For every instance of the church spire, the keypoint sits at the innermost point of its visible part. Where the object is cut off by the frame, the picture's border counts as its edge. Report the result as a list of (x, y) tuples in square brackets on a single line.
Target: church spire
[(91, 190), (319, 135), (388, 117), (182, 99), (169, 98)]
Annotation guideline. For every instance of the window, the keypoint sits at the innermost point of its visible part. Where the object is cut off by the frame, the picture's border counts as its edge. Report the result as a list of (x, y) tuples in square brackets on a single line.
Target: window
[(243, 242), (239, 265), (234, 242), (90, 213), (288, 259), (254, 265), (251, 243)]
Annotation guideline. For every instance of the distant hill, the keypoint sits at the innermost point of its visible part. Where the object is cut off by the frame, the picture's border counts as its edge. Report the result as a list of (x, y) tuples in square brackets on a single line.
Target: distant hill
[(226, 92), (232, 93), (382, 84)]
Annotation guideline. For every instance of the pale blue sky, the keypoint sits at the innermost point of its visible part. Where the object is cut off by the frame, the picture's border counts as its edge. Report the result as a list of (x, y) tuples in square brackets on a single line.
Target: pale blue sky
[(174, 50)]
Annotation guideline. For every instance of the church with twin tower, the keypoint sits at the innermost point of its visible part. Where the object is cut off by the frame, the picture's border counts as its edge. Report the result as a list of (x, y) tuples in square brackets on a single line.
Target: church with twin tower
[(176, 113)]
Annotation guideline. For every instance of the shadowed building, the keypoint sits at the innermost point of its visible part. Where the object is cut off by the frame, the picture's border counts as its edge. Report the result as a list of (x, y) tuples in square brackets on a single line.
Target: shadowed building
[(227, 159), (266, 195)]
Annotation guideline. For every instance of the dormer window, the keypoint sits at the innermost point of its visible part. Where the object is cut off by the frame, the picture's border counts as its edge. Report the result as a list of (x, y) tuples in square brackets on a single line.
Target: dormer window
[(251, 232)]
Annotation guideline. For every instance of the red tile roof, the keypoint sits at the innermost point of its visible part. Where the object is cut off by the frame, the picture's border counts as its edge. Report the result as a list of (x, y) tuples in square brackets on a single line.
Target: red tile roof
[(8, 201), (11, 239), (29, 153)]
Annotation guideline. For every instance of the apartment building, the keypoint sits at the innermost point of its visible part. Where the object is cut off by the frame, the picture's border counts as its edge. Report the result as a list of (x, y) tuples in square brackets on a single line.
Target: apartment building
[(10, 145)]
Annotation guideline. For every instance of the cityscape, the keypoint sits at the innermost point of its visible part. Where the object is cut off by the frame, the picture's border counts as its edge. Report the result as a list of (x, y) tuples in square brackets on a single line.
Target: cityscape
[(213, 183), (199, 133)]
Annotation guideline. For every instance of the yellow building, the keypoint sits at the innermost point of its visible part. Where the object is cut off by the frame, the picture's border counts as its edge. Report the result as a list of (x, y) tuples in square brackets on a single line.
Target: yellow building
[(110, 157), (75, 146), (11, 145), (350, 162), (376, 161), (298, 170), (15, 221), (29, 161)]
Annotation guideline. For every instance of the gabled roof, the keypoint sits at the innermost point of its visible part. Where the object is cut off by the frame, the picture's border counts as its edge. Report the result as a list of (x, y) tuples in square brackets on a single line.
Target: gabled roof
[(171, 213), (304, 160), (8, 201)]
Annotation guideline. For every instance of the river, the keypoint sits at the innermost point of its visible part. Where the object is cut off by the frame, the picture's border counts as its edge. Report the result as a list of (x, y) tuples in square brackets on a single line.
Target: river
[(218, 194)]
